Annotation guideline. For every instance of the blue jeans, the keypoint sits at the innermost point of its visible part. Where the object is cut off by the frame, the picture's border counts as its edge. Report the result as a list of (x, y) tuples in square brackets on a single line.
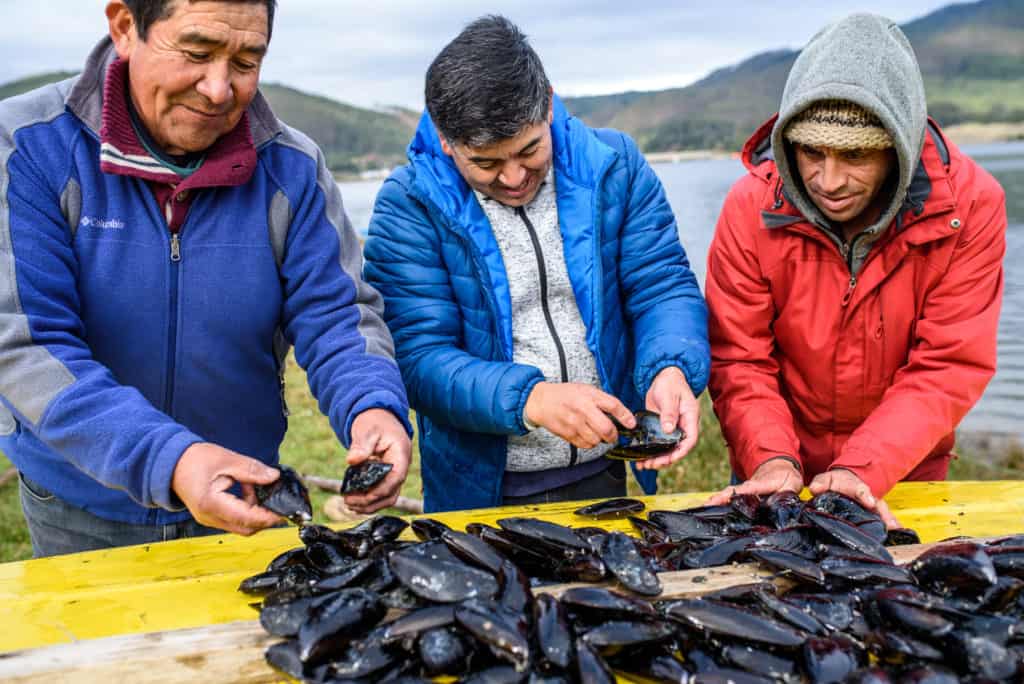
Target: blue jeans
[(56, 527)]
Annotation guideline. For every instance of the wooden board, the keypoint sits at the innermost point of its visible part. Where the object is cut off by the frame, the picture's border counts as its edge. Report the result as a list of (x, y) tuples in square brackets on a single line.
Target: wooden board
[(233, 652)]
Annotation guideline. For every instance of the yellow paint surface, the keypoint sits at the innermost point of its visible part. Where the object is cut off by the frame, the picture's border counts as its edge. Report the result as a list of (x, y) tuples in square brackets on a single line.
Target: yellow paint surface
[(192, 582)]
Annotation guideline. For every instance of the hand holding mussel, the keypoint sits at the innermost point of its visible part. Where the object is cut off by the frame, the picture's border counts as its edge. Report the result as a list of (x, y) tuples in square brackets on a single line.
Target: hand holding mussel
[(362, 477)]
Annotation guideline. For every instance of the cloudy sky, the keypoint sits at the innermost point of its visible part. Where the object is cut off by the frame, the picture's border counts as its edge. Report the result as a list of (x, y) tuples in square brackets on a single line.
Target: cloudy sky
[(375, 53)]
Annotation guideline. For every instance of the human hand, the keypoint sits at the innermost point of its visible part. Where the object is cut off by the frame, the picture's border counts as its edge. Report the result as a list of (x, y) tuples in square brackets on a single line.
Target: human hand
[(204, 474), (577, 413), (671, 397), (844, 482), (378, 433), (775, 475)]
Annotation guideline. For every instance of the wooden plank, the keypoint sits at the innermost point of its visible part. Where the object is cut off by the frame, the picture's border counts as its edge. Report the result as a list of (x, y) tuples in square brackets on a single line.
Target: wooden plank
[(233, 652)]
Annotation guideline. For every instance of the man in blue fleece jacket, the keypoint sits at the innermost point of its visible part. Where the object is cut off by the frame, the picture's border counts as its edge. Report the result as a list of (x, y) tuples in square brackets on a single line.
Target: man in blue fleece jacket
[(535, 285), (165, 240)]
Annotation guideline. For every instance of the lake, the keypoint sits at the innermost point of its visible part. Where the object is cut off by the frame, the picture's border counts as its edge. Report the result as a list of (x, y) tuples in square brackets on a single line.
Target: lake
[(696, 190)]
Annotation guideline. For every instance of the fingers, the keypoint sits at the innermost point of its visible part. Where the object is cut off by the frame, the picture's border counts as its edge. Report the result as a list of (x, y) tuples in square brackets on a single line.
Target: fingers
[(606, 403), (846, 483), (888, 518), (247, 470), (393, 447), (225, 511), (752, 486)]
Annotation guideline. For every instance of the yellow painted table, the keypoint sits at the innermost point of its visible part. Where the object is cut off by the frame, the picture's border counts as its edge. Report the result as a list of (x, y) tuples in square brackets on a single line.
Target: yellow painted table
[(192, 583)]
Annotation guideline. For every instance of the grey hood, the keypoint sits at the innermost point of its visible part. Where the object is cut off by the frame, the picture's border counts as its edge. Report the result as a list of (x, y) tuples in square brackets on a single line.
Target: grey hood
[(865, 59)]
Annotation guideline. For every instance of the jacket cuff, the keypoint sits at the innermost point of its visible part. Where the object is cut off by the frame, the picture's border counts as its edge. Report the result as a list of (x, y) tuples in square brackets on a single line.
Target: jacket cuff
[(162, 471), (695, 372), (523, 426), (372, 400)]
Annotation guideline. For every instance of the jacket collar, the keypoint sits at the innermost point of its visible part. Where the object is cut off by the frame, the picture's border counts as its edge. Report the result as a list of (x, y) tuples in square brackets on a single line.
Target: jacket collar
[(85, 100)]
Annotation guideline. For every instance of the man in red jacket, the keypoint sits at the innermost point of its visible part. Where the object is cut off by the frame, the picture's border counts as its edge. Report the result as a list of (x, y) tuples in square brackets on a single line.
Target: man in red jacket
[(854, 281)]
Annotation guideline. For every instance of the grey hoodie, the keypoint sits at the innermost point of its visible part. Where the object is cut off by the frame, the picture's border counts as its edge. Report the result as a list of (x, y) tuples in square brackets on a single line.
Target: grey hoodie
[(865, 59)]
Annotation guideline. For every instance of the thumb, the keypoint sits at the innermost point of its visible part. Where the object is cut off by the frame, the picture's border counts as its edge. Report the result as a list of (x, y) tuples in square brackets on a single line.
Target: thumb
[(362, 448), (247, 470)]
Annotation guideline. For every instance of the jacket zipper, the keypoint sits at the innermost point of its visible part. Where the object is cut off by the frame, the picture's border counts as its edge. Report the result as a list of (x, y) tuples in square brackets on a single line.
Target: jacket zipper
[(542, 273), (172, 347)]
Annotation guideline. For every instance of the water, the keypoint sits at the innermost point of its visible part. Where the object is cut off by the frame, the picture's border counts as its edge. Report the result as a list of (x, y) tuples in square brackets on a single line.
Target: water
[(696, 190)]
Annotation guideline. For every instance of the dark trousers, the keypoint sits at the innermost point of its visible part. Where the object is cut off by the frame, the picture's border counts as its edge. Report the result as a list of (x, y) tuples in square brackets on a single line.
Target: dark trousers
[(56, 527), (610, 483)]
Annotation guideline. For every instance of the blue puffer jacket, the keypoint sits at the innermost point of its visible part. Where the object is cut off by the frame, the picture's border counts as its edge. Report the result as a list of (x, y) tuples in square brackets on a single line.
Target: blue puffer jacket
[(433, 256)]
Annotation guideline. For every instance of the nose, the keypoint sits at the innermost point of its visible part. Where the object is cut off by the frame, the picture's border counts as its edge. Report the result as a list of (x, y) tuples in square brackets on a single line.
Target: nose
[(215, 85), (833, 175), (512, 175)]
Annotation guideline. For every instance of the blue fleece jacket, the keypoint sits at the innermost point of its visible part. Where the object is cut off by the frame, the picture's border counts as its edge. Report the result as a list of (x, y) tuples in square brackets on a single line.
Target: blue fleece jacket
[(115, 357), (433, 256)]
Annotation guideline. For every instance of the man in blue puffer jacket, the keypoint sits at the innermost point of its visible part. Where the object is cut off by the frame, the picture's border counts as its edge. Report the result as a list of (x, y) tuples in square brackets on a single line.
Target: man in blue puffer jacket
[(163, 240), (534, 284)]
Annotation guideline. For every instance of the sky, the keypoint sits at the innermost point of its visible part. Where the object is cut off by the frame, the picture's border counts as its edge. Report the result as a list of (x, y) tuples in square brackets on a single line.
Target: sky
[(374, 54)]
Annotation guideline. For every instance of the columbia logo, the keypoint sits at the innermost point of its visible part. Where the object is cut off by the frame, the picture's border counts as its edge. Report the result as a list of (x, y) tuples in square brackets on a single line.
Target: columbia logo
[(90, 222)]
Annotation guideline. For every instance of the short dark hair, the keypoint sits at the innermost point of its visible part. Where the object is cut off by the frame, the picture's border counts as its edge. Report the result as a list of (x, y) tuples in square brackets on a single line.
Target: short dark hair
[(148, 12), (487, 84)]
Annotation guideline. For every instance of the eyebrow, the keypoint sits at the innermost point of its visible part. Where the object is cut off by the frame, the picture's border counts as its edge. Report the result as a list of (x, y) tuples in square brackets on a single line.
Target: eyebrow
[(477, 159), (202, 40)]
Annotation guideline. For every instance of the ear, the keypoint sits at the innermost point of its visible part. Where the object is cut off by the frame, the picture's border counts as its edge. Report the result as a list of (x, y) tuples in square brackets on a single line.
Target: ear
[(122, 28), (445, 147)]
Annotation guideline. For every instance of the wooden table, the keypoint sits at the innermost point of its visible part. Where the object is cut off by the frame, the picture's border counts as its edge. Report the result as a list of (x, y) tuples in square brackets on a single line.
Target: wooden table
[(170, 611)]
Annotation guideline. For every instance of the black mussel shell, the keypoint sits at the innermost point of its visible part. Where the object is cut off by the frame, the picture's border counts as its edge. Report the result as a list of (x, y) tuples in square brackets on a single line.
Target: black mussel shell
[(553, 635), (729, 621), (620, 633), (428, 529), (760, 662), (344, 615), (363, 476), (597, 603), (901, 536), (590, 666), (647, 439), (439, 580), (621, 557), (831, 659), (557, 538), (417, 622), (847, 534), (287, 497), (473, 550), (381, 528), (611, 508), (955, 568), (495, 629), (443, 651)]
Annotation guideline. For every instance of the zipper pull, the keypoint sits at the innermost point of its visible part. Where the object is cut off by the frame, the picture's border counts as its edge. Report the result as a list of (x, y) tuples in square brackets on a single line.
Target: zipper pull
[(849, 292), (175, 247)]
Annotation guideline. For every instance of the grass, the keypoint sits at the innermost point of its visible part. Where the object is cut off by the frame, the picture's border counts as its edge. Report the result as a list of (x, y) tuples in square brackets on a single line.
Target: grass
[(311, 448)]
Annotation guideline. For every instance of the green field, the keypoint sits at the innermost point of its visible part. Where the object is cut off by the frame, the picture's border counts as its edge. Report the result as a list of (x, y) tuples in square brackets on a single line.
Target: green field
[(312, 448)]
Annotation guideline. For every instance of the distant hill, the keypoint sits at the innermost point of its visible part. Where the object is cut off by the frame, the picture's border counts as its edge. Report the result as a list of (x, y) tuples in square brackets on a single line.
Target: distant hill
[(971, 56), (353, 139)]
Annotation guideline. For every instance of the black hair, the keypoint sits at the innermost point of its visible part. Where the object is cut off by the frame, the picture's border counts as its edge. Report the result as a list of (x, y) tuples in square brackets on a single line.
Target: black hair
[(148, 12), (487, 84)]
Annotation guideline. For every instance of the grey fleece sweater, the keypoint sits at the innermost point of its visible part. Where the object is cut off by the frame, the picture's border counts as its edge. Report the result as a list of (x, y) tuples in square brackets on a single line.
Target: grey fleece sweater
[(529, 260), (865, 59)]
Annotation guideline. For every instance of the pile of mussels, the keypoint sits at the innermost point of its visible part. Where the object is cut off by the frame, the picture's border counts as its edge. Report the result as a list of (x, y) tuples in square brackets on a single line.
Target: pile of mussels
[(361, 606)]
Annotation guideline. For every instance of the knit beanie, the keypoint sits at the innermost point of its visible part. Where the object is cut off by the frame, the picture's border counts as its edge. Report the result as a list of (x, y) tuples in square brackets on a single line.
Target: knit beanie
[(840, 125)]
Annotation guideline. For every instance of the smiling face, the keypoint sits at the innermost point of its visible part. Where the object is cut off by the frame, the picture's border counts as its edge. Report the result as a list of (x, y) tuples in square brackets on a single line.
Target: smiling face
[(197, 71), (846, 184), (509, 171)]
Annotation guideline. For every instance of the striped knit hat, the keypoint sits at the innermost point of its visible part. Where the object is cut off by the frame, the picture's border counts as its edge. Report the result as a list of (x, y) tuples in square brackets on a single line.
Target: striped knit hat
[(840, 125)]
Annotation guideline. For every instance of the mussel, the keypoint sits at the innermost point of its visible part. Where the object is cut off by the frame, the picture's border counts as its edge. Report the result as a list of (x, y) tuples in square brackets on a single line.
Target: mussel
[(646, 440), (363, 476), (287, 497)]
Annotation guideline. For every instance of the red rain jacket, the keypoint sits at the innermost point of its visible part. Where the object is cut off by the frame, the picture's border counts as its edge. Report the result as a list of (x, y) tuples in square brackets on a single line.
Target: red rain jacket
[(872, 373)]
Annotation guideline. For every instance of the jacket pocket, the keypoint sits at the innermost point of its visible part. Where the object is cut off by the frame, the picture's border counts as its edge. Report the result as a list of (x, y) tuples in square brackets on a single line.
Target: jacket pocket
[(35, 490)]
